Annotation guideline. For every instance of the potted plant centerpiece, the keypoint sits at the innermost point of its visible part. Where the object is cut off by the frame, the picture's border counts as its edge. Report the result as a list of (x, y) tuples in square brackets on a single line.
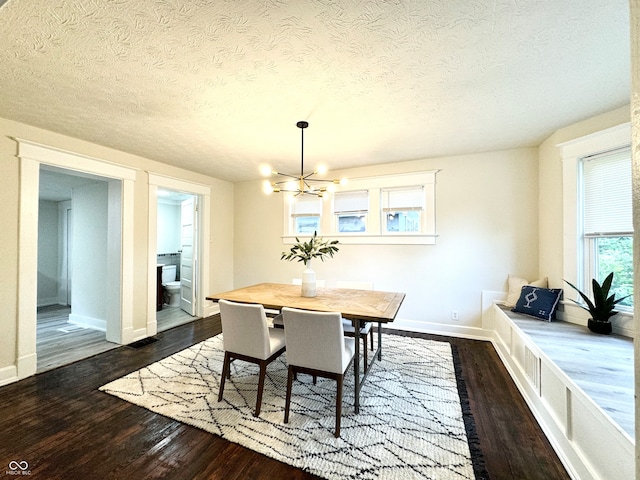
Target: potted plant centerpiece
[(602, 308), (316, 247)]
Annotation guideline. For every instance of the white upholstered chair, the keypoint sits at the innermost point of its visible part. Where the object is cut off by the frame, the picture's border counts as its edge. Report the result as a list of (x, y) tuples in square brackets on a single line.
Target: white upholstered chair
[(246, 336), (316, 345), (366, 329), (298, 281)]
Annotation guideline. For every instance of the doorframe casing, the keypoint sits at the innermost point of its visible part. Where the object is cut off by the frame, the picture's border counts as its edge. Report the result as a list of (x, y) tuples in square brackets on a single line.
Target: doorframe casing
[(203, 192), (31, 155)]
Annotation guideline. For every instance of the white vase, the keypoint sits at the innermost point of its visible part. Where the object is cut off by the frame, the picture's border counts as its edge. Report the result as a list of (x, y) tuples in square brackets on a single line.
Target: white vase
[(308, 281)]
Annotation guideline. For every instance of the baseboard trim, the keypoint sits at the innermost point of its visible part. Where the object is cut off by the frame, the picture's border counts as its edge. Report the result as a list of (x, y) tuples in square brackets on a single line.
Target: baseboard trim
[(471, 333), (8, 375), (27, 365), (89, 322), (210, 308)]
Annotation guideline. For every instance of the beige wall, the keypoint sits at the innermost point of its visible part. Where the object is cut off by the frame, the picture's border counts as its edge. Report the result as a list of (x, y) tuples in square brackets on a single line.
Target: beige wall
[(221, 239), (487, 222), (497, 213), (550, 195)]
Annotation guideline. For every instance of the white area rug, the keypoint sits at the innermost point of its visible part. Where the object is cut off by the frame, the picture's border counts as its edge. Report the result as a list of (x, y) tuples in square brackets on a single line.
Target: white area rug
[(411, 423)]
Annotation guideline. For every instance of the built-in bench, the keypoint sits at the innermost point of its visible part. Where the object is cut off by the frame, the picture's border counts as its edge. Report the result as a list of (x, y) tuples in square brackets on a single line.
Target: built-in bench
[(579, 386)]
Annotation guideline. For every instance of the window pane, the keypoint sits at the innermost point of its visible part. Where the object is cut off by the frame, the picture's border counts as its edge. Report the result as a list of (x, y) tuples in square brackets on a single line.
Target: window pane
[(607, 193), (308, 224), (405, 221), (403, 198), (306, 205), (615, 254), (352, 201), (351, 223)]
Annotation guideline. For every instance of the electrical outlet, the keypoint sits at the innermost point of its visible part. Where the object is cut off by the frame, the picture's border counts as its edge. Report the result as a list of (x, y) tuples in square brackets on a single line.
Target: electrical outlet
[(454, 314)]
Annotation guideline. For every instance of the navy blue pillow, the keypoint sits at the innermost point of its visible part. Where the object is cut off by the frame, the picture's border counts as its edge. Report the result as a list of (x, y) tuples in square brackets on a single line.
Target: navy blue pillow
[(538, 302)]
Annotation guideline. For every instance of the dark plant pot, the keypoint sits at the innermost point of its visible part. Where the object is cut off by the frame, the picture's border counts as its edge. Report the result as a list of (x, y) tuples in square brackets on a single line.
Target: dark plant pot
[(599, 327)]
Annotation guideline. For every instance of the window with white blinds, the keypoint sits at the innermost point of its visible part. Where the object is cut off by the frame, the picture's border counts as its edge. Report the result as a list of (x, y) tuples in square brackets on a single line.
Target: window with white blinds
[(351, 209), (394, 209), (608, 221), (402, 209), (305, 214), (607, 194)]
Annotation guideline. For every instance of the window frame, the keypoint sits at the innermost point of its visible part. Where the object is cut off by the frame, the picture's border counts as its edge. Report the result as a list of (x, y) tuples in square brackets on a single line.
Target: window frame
[(374, 233), (590, 250), (574, 247), (364, 212)]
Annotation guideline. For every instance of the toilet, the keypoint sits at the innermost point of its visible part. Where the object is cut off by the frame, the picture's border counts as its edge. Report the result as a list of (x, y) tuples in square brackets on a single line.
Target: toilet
[(171, 286)]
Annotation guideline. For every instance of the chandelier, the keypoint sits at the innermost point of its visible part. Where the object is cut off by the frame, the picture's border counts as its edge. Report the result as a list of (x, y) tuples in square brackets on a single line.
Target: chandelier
[(302, 184)]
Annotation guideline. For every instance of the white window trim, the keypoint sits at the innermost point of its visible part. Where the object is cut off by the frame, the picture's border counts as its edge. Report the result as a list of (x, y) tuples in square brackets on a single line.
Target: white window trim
[(374, 234), (573, 152)]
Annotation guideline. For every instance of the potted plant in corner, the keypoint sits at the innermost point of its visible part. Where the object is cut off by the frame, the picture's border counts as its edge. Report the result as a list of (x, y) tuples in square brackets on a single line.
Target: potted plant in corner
[(602, 308), (316, 247)]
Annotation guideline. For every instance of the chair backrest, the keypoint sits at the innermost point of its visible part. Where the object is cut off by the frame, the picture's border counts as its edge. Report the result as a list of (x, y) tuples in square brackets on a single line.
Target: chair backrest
[(244, 329), (298, 281), (315, 339), (354, 285)]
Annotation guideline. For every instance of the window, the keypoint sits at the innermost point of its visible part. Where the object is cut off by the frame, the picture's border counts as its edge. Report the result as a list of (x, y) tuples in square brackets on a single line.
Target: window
[(384, 209), (305, 214), (608, 220), (351, 210), (402, 209)]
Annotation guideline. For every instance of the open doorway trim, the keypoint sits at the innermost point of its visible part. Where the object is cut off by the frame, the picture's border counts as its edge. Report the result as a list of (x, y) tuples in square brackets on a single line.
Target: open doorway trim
[(204, 208), (31, 156)]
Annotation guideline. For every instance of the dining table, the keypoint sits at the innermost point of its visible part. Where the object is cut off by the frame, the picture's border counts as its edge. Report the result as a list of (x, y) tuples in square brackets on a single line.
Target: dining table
[(359, 306)]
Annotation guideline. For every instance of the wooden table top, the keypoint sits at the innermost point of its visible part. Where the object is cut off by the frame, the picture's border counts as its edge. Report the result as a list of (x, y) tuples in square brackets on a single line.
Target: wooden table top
[(366, 305)]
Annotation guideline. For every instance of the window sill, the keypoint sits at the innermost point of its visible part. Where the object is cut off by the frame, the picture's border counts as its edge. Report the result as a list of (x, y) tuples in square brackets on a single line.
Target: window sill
[(351, 239)]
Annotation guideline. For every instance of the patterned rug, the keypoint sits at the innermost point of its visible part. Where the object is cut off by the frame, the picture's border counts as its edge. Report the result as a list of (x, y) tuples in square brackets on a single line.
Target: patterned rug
[(413, 422)]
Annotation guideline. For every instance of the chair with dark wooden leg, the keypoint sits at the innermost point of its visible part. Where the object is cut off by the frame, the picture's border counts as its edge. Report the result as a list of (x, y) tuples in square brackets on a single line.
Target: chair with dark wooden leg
[(247, 337), (366, 329), (316, 345)]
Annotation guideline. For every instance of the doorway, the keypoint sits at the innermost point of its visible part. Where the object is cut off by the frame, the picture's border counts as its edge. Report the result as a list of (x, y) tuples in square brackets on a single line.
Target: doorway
[(177, 257), (194, 248), (32, 156), (74, 209)]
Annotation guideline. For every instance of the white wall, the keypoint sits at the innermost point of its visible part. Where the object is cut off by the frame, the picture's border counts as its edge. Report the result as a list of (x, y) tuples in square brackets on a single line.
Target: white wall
[(89, 256), (18, 341), (557, 243), (168, 228), (487, 222), (47, 253), (551, 196)]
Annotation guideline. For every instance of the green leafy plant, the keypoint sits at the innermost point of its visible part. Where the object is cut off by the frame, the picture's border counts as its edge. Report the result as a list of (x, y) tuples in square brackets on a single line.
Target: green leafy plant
[(316, 247), (602, 308)]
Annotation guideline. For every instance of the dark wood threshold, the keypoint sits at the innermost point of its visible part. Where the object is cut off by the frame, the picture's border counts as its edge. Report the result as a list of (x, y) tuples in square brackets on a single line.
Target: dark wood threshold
[(65, 428)]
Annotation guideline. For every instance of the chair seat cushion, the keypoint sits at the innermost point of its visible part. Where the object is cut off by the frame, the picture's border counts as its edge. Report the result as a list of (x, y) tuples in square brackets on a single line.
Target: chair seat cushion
[(348, 327), (278, 322), (350, 350), (276, 339)]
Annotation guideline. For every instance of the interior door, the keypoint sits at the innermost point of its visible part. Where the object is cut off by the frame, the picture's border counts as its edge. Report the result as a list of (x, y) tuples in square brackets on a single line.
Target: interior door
[(188, 260)]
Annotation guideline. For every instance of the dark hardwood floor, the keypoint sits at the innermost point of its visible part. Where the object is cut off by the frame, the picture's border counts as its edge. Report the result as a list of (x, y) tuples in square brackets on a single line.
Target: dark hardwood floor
[(63, 427)]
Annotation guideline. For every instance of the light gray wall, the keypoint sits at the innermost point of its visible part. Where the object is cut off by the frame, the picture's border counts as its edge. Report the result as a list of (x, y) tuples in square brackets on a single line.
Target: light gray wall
[(168, 228), (89, 256), (47, 253)]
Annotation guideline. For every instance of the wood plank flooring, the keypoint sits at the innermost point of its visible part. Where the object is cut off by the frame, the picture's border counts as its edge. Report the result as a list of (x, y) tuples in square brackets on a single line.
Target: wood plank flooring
[(60, 343), (64, 427)]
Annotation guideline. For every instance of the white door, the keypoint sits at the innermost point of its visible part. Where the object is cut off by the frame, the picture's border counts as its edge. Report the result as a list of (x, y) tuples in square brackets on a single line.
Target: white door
[(188, 260)]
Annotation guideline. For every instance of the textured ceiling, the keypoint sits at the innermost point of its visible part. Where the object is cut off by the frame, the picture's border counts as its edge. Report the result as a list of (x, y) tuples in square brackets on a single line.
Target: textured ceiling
[(218, 86)]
